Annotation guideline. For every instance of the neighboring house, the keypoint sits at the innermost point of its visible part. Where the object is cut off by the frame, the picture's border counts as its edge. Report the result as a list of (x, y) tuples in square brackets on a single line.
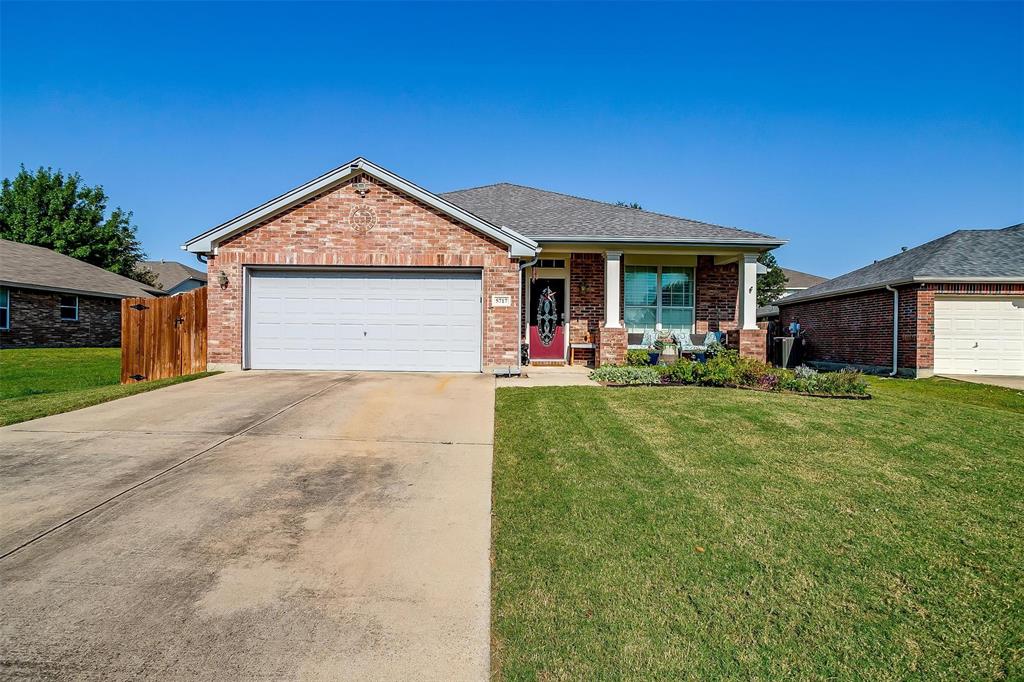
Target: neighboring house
[(960, 305), (362, 269), (49, 299), (175, 278), (797, 281)]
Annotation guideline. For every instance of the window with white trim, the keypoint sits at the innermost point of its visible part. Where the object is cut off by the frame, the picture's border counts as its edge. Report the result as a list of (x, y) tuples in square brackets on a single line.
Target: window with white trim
[(5, 308), (69, 308), (658, 297)]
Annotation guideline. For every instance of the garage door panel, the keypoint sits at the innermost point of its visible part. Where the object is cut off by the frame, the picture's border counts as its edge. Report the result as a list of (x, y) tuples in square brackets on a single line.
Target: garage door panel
[(348, 320), (979, 336)]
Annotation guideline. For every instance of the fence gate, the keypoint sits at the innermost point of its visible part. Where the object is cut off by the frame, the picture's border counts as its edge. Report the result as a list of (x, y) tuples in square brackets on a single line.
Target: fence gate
[(163, 337)]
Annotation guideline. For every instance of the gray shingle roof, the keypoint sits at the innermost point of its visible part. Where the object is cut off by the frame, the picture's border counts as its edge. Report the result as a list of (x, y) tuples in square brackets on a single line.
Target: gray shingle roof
[(33, 267), (543, 215), (170, 274), (960, 255), (796, 279)]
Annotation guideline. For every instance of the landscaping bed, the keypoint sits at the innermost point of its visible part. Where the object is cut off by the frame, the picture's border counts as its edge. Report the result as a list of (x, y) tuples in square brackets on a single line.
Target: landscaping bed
[(726, 369)]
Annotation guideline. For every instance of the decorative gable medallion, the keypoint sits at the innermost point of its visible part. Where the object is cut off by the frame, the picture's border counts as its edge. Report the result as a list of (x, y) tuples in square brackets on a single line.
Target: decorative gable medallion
[(363, 218)]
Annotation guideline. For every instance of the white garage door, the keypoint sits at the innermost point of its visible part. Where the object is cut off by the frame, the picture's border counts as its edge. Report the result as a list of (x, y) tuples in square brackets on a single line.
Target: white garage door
[(399, 321), (979, 336)]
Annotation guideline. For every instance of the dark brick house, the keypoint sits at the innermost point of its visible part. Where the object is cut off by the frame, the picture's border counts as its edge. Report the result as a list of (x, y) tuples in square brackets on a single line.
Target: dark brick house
[(956, 305), (362, 269), (51, 300)]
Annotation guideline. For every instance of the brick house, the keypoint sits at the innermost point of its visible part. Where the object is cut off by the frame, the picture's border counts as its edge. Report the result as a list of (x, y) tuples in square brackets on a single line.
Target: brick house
[(362, 269), (956, 305), (48, 299), (175, 278)]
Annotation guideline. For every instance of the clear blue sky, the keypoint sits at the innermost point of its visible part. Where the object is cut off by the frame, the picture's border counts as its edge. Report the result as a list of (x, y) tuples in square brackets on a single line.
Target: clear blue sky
[(849, 129)]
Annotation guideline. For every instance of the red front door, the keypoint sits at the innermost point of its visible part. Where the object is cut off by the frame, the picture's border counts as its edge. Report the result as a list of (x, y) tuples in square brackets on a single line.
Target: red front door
[(547, 319)]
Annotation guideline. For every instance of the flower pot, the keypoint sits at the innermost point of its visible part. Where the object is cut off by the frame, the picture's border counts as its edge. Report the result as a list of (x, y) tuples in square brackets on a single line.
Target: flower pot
[(652, 358)]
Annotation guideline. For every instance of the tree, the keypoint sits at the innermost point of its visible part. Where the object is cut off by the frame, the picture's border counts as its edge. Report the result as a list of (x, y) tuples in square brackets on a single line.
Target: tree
[(60, 212), (771, 285), (629, 204)]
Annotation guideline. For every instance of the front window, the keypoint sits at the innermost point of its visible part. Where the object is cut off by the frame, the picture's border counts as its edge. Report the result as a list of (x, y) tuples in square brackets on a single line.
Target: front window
[(5, 309), (658, 297), (69, 308)]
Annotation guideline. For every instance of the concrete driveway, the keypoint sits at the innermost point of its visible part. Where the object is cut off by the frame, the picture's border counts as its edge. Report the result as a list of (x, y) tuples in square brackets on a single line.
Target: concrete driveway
[(256, 525), (992, 380)]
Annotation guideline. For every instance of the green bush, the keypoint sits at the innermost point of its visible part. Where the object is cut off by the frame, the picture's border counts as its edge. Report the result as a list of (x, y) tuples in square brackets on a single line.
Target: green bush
[(616, 374), (750, 372), (637, 357), (719, 370), (728, 369), (682, 372)]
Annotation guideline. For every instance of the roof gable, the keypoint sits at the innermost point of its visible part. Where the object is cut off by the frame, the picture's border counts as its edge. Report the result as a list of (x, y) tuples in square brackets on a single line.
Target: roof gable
[(206, 242), (36, 267), (551, 216), (170, 274), (801, 280)]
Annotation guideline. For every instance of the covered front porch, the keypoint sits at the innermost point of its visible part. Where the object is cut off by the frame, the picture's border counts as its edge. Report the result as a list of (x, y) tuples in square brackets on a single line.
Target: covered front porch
[(591, 303)]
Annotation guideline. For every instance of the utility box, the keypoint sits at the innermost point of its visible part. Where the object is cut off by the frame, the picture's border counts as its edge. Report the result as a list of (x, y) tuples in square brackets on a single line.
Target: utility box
[(788, 351)]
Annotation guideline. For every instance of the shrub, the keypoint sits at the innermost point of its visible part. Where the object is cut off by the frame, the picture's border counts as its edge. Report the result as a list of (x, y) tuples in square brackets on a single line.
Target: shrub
[(637, 357), (719, 370), (806, 380), (749, 372), (683, 371), (804, 372), (728, 369), (616, 374)]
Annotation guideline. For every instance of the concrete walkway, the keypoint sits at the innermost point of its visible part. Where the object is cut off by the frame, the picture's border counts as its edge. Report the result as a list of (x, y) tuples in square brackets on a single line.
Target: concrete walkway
[(256, 525), (1004, 381), (538, 375)]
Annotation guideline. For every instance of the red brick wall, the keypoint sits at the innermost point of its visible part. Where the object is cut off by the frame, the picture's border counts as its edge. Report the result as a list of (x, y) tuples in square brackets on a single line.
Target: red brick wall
[(857, 328), (751, 343), (407, 233), (718, 288), (611, 346), (586, 301), (854, 329), (35, 321)]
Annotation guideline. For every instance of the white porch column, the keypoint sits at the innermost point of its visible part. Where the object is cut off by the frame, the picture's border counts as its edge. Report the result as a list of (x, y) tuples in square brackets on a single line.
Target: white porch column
[(612, 278), (748, 291)]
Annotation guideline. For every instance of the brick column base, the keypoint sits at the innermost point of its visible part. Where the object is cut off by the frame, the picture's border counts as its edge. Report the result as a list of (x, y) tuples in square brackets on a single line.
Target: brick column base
[(751, 343), (611, 346)]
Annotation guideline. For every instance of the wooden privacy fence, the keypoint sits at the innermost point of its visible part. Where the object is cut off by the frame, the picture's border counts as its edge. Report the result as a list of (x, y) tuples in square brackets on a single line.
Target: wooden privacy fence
[(163, 337)]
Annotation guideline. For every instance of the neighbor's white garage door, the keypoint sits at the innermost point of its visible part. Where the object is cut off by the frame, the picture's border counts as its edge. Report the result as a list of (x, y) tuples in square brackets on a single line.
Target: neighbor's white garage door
[(412, 321), (979, 336)]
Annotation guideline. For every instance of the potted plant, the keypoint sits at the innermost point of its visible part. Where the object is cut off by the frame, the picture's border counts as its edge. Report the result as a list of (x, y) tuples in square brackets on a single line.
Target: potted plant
[(654, 352), (668, 347)]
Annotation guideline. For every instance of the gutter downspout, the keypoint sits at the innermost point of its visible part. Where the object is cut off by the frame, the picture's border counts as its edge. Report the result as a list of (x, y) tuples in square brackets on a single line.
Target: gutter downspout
[(895, 329)]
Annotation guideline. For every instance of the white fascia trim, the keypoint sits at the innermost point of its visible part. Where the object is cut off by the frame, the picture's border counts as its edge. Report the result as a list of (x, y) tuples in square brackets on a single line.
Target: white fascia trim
[(519, 246), (772, 243)]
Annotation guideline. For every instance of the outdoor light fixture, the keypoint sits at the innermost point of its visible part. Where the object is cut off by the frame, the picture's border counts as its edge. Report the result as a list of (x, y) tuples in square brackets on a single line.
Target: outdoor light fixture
[(361, 188), (222, 279)]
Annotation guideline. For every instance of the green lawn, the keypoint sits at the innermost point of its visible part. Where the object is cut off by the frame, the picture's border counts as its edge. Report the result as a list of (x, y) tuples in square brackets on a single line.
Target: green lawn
[(696, 533), (39, 382)]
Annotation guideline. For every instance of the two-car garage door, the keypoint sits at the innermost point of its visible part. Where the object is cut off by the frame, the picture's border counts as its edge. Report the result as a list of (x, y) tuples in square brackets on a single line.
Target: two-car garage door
[(360, 320), (979, 336)]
